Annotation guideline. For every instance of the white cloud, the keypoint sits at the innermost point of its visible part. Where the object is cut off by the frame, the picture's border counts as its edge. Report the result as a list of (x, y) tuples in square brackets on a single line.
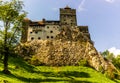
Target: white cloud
[(114, 50), (81, 6), (110, 1)]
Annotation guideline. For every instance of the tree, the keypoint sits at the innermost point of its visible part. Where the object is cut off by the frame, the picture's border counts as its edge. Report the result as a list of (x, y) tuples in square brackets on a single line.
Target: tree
[(116, 61), (109, 56), (11, 15)]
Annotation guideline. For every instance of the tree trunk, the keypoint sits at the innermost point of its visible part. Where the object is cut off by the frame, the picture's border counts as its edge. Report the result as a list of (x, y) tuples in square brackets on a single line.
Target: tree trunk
[(6, 51), (5, 61)]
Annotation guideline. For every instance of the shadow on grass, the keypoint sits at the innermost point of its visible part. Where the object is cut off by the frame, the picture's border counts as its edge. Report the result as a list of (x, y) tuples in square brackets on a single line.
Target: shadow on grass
[(66, 74), (20, 63), (43, 80), (53, 77), (49, 76)]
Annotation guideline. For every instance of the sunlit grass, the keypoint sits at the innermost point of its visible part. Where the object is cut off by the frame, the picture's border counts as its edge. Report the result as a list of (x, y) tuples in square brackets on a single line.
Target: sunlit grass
[(21, 72)]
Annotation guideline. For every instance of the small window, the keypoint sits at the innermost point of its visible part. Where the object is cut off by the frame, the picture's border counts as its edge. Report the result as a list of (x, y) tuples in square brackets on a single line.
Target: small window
[(47, 37), (32, 38), (52, 37), (39, 38), (40, 30), (51, 31), (36, 32), (48, 27), (31, 32)]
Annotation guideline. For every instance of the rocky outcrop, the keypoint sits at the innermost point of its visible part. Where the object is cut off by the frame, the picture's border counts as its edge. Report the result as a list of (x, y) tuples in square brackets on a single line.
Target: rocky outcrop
[(68, 48)]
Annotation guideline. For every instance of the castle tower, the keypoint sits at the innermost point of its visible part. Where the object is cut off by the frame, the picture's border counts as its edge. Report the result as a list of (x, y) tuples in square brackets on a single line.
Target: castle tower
[(68, 16)]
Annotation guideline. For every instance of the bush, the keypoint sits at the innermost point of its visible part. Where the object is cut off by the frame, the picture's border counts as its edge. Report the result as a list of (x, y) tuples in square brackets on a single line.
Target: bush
[(116, 61), (101, 69), (109, 74), (83, 63), (35, 61)]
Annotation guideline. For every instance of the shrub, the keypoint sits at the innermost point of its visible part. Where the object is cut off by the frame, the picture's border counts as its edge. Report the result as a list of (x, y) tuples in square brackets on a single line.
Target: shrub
[(101, 69), (109, 74), (34, 61), (83, 63)]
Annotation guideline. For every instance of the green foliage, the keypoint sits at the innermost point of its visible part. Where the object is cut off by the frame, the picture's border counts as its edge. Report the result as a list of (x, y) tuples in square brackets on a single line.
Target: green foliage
[(22, 72), (101, 69), (35, 61), (109, 74), (109, 56), (116, 61), (83, 63), (11, 15)]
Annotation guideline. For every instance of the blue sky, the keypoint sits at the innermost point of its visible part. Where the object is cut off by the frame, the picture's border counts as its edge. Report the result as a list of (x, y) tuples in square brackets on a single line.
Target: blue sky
[(102, 17)]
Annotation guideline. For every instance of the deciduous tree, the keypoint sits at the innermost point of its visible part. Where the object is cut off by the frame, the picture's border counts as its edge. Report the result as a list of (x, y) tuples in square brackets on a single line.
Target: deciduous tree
[(11, 15)]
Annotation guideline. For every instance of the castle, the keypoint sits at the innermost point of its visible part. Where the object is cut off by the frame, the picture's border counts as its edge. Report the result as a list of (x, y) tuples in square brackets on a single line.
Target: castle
[(49, 29)]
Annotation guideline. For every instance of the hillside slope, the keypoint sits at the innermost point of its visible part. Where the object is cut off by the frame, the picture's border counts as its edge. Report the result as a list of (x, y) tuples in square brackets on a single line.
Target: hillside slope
[(24, 73), (68, 48)]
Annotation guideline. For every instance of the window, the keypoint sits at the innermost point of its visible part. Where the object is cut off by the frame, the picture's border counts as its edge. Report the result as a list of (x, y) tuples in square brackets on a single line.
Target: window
[(32, 38), (47, 37), (65, 22), (31, 32), (39, 38), (40, 30), (52, 37), (36, 32), (48, 27), (51, 31)]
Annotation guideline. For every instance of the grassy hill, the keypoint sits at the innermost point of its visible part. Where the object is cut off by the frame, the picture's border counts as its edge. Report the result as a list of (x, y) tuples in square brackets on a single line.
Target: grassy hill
[(21, 72)]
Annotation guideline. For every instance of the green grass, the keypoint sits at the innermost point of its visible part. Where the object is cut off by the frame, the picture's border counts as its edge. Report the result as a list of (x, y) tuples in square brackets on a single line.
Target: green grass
[(21, 72)]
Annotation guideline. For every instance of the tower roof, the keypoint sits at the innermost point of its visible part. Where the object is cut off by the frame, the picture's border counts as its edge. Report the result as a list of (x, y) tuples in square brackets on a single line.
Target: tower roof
[(67, 7)]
